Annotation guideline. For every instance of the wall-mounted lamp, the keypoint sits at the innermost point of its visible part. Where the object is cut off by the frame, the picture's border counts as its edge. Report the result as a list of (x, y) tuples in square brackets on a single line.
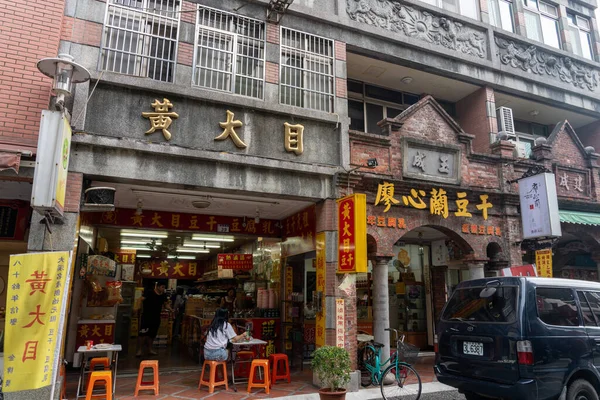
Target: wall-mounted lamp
[(64, 73), (371, 164)]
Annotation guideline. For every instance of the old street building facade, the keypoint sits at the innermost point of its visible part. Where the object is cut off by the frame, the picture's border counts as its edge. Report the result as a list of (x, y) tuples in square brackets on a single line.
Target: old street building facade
[(221, 113)]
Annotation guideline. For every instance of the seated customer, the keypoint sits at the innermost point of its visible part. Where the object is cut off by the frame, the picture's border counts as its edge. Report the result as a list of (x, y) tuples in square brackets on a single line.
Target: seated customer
[(219, 333)]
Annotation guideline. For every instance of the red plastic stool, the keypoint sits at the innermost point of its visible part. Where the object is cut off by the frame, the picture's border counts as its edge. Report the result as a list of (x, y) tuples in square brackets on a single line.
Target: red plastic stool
[(276, 360), (242, 363), (100, 361), (149, 385)]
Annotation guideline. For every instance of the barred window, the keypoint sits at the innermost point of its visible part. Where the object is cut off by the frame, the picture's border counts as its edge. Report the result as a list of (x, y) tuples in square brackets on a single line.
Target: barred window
[(230, 53), (140, 38), (307, 71)]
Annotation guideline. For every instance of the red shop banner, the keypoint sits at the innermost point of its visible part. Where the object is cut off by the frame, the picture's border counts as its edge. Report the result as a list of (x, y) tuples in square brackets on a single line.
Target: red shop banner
[(299, 232), (235, 261), (171, 269), (126, 218), (97, 332)]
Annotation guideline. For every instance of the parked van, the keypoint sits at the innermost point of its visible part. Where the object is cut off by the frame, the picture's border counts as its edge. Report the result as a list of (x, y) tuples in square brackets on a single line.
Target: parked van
[(521, 338)]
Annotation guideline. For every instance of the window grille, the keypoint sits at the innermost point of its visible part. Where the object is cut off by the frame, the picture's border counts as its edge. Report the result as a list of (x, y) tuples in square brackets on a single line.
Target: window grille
[(307, 71), (140, 38), (230, 53)]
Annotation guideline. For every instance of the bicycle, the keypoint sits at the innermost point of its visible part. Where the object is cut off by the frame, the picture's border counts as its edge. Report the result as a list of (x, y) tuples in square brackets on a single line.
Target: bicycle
[(399, 380)]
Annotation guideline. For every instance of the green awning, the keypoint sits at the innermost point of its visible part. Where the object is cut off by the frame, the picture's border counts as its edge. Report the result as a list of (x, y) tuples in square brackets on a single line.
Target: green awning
[(579, 217)]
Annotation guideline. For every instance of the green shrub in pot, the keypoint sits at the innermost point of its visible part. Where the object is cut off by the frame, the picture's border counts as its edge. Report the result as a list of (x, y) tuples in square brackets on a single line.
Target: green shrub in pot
[(332, 366)]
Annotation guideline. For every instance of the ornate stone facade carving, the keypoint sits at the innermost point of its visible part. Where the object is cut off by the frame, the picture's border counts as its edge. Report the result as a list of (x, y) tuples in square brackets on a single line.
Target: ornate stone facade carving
[(418, 24), (539, 62)]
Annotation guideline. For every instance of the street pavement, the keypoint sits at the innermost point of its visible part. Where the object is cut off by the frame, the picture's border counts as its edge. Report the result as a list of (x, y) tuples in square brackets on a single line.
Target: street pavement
[(430, 391)]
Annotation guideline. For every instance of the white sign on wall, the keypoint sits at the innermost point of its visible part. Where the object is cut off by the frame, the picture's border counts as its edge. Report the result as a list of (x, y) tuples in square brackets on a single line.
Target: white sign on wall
[(539, 206)]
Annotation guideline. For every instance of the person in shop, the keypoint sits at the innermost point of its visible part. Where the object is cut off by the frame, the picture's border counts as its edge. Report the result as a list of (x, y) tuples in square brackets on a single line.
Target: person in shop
[(220, 333), (229, 302), (152, 302)]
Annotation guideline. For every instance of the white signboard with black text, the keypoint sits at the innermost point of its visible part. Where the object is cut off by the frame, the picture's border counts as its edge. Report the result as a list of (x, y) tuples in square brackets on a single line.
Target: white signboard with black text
[(539, 206)]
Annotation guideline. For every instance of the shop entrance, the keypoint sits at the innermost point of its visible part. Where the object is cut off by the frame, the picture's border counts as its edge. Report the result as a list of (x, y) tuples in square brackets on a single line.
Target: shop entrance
[(427, 265)]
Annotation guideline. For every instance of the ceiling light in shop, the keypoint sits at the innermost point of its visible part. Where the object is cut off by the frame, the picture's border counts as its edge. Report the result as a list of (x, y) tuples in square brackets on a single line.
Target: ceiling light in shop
[(145, 235), (141, 242), (213, 238), (191, 250), (143, 256), (202, 245), (183, 257), (129, 247)]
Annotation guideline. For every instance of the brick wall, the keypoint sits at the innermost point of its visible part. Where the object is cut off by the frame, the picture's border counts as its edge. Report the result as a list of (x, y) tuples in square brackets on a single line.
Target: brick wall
[(272, 72), (472, 117), (341, 89), (273, 33), (27, 34), (188, 12), (565, 151), (81, 31), (340, 51), (74, 186), (590, 135), (185, 53)]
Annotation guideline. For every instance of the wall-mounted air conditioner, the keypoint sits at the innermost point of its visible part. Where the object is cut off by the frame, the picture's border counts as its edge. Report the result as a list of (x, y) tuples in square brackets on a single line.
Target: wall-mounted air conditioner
[(522, 149), (504, 115)]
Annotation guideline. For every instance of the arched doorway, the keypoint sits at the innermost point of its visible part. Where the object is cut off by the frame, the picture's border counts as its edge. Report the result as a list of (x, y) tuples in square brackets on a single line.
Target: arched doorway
[(428, 262)]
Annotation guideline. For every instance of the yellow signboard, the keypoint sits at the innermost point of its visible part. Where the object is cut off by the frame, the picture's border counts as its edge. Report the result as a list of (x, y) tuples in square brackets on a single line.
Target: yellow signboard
[(63, 165), (37, 287), (352, 233), (321, 266), (543, 262)]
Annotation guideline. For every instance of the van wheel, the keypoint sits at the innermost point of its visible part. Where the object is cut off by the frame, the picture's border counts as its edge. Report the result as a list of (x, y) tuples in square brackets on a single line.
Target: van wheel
[(581, 390)]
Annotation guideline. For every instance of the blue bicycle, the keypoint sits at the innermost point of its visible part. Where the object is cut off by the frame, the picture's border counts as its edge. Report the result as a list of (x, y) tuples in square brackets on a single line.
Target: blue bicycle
[(396, 377)]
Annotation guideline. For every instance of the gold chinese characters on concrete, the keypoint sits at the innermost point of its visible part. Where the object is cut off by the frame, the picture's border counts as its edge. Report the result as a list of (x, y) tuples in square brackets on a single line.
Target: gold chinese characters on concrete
[(294, 138), (161, 118), (229, 127)]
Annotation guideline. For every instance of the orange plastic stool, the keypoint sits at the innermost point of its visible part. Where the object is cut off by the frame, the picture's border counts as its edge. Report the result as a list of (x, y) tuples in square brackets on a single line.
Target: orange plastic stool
[(147, 385), (276, 359), (100, 377), (242, 364), (100, 361), (63, 386), (266, 383), (212, 383)]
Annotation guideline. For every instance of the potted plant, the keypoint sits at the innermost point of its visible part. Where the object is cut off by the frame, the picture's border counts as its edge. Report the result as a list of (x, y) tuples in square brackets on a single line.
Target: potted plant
[(332, 366)]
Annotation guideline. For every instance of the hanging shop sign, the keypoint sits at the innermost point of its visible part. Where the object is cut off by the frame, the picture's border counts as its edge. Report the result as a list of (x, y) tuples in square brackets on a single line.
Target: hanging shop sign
[(475, 229), (127, 218), (352, 233), (299, 232), (102, 266), (171, 269), (235, 261), (543, 261), (539, 206), (125, 257), (522, 270), (320, 286), (35, 319), (14, 218), (52, 163), (437, 204), (340, 323)]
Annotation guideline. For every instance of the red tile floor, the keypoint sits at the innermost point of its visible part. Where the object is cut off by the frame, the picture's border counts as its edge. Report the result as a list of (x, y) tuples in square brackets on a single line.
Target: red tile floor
[(184, 385)]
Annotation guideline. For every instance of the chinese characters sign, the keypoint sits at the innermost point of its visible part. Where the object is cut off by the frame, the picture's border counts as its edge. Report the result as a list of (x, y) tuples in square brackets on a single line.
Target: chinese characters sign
[(161, 119), (352, 237), (172, 269), (431, 163), (572, 183), (474, 229), (37, 287), (97, 332), (127, 218), (543, 261), (235, 261), (299, 232), (539, 206), (320, 267), (340, 322), (437, 204)]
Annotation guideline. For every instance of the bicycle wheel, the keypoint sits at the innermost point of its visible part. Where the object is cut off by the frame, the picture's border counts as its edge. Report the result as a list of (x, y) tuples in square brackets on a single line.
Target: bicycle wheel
[(401, 382), (366, 357)]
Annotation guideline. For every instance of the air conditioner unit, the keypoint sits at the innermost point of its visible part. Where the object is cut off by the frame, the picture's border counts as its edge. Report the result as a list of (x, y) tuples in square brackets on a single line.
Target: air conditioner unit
[(522, 150), (492, 138), (504, 115)]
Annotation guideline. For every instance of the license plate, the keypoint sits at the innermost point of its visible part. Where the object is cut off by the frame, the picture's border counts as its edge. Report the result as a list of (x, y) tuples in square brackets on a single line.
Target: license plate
[(473, 348)]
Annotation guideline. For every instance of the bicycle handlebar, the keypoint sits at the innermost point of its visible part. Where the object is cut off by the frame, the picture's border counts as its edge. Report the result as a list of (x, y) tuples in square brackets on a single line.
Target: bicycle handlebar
[(399, 338)]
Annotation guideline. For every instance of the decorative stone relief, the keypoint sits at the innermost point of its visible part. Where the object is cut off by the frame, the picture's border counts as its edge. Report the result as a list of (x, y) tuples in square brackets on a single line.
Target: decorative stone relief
[(418, 24), (531, 59)]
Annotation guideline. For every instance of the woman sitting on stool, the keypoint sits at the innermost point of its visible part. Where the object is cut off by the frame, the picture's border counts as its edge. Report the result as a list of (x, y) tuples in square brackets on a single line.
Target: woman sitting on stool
[(219, 333)]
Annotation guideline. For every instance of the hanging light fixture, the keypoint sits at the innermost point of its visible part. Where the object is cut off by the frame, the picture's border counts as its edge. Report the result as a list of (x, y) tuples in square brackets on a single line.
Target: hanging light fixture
[(139, 210)]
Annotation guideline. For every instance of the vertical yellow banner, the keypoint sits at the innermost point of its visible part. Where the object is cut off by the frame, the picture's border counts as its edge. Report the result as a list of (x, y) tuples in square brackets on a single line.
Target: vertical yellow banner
[(35, 310), (321, 265), (352, 233), (543, 262), (340, 323)]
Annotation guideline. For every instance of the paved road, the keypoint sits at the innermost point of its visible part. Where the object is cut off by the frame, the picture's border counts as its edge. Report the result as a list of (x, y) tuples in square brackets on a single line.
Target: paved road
[(448, 395)]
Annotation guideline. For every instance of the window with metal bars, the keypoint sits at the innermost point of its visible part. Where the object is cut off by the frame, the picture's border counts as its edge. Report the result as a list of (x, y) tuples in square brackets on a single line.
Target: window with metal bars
[(140, 38), (230, 53), (307, 71)]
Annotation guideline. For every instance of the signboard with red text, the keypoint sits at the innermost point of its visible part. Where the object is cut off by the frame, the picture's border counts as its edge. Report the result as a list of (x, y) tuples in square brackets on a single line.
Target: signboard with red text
[(352, 233), (235, 261)]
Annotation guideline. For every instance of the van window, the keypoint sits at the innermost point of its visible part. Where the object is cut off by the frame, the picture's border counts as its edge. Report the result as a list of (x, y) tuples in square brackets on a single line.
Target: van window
[(593, 299), (586, 311), (467, 304), (556, 306)]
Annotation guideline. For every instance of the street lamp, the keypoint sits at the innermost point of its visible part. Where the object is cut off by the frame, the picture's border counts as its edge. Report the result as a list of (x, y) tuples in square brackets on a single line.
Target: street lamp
[(64, 73)]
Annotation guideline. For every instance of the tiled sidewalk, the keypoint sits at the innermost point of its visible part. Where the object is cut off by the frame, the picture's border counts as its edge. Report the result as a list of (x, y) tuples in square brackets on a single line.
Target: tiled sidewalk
[(184, 386)]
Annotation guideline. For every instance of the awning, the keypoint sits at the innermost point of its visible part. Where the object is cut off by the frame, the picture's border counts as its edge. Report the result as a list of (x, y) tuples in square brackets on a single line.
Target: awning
[(579, 217), (9, 160)]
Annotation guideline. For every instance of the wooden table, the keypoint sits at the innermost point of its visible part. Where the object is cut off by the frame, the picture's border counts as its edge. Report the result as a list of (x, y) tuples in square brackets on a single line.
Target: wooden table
[(111, 351), (239, 346)]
